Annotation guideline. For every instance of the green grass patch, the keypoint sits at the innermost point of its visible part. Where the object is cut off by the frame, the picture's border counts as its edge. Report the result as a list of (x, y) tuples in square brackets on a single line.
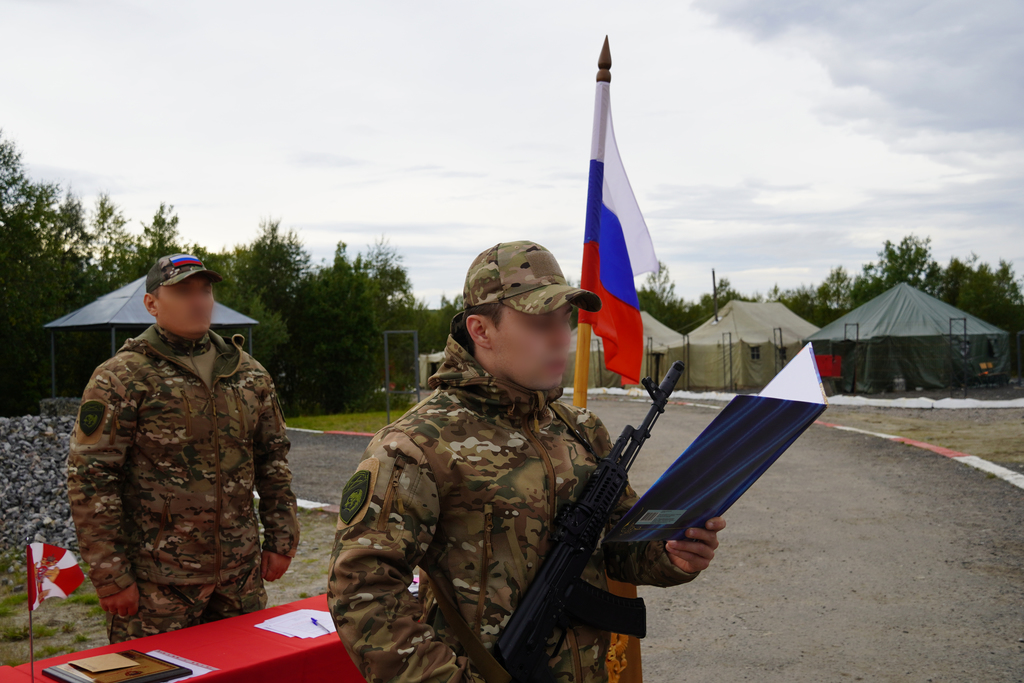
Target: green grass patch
[(14, 599), (84, 599), (349, 422)]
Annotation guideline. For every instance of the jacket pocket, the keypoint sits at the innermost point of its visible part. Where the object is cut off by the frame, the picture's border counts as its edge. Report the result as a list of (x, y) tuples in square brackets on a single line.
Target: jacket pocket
[(485, 565), (391, 497), (243, 423), (165, 519)]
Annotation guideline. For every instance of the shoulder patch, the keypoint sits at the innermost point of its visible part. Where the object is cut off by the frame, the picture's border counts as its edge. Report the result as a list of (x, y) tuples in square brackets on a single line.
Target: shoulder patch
[(90, 416), (355, 497)]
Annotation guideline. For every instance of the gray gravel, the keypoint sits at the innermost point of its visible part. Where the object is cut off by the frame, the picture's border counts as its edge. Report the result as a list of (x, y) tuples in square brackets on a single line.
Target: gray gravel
[(33, 481)]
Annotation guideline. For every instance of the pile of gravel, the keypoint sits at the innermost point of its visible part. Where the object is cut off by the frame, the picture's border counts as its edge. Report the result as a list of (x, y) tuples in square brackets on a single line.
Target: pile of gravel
[(33, 481)]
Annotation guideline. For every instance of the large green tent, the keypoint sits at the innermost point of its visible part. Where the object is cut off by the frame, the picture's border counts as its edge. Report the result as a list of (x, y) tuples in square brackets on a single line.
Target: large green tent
[(906, 338)]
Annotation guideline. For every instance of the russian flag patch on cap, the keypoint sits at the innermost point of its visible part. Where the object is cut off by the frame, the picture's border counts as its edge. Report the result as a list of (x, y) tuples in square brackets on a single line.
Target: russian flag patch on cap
[(185, 260)]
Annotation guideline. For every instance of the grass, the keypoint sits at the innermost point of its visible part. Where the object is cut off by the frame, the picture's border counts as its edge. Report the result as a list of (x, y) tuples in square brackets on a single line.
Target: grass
[(348, 422), (992, 433)]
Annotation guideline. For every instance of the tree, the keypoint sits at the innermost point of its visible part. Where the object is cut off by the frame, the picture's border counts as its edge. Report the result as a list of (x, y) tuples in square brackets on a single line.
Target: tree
[(910, 261), (334, 339)]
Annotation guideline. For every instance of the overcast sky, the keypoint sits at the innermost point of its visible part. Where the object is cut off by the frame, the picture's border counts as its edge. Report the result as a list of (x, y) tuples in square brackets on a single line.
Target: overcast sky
[(769, 140)]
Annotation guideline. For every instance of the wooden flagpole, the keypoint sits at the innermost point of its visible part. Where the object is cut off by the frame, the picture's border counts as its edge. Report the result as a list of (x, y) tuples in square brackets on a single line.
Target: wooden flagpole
[(623, 657)]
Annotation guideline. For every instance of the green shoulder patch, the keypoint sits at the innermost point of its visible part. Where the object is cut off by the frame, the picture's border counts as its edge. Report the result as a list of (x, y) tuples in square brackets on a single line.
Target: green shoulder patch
[(355, 495), (90, 416)]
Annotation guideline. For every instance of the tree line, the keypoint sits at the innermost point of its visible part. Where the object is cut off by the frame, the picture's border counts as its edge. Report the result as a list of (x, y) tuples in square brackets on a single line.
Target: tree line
[(994, 294), (321, 325)]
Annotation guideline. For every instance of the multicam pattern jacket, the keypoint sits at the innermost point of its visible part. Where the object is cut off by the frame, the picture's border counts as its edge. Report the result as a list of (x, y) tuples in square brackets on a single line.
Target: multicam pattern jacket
[(162, 468), (465, 486)]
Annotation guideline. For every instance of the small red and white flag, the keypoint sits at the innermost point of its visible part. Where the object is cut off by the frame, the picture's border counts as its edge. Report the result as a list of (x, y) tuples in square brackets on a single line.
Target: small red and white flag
[(52, 573)]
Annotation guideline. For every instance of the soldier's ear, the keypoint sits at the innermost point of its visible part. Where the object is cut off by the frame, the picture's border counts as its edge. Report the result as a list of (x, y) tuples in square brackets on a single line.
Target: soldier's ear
[(151, 304), (479, 330)]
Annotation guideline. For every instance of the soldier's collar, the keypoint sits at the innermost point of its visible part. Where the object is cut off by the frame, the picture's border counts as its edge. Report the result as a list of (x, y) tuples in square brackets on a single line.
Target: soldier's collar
[(183, 346), (461, 370)]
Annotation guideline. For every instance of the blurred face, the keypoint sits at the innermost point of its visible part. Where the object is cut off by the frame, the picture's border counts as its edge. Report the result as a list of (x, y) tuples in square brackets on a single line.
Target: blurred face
[(185, 308), (530, 350)]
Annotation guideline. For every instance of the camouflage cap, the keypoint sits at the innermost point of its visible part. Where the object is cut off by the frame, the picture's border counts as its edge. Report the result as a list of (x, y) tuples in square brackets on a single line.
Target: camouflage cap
[(170, 270), (521, 275)]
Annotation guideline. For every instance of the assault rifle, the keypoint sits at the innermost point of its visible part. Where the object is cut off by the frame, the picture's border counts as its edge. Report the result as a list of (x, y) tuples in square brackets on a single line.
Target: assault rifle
[(558, 594)]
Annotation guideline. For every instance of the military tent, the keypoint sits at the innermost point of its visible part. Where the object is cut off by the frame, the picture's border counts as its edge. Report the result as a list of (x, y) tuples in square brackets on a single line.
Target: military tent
[(906, 338), (656, 334), (743, 349), (429, 364)]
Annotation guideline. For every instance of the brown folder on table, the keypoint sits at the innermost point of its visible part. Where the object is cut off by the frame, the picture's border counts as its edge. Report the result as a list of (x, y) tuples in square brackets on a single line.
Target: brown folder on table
[(129, 665)]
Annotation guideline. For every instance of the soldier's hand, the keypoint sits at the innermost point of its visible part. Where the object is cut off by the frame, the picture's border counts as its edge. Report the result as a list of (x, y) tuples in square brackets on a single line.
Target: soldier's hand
[(125, 603), (273, 566), (695, 555)]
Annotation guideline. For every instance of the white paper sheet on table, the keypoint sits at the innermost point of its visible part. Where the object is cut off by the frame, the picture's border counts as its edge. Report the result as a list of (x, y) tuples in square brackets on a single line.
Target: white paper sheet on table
[(299, 624), (197, 668)]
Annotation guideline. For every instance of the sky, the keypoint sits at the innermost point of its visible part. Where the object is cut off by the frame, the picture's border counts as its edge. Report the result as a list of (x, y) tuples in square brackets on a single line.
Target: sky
[(769, 141)]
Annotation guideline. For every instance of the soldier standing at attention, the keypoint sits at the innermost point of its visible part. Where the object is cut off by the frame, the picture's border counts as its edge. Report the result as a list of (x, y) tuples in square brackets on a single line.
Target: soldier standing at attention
[(466, 486), (174, 433)]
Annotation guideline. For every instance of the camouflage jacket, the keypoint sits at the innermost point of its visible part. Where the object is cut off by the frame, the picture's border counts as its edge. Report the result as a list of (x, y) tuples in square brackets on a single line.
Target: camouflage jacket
[(162, 469), (465, 485)]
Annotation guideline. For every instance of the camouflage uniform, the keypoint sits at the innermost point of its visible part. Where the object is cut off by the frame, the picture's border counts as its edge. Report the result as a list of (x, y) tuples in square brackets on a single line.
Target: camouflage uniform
[(161, 475), (465, 486)]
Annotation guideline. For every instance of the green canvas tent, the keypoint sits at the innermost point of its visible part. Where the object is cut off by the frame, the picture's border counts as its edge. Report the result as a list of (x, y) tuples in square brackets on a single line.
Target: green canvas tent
[(743, 349), (906, 338)]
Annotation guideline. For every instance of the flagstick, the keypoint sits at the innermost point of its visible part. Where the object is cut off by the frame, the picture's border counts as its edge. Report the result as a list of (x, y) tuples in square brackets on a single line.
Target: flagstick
[(579, 384), (624, 667), (30, 589), (31, 646)]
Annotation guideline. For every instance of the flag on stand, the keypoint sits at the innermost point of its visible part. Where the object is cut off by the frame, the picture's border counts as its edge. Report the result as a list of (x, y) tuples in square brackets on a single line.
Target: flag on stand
[(616, 247), (52, 573)]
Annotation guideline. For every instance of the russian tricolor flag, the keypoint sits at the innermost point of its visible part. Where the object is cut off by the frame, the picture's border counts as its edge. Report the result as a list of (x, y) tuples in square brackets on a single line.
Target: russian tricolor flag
[(616, 248)]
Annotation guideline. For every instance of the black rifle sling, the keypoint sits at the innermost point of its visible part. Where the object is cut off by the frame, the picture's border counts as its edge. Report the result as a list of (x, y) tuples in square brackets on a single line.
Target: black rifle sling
[(485, 662)]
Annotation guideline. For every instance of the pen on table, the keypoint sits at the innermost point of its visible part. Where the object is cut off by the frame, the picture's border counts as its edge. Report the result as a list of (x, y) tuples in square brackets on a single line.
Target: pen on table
[(319, 624)]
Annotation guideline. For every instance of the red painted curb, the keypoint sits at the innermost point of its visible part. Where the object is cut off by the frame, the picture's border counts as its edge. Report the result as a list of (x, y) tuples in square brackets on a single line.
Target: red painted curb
[(350, 433), (941, 450)]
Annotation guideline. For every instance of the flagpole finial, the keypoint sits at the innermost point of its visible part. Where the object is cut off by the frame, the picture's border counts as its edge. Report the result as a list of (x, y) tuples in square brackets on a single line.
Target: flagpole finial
[(604, 64)]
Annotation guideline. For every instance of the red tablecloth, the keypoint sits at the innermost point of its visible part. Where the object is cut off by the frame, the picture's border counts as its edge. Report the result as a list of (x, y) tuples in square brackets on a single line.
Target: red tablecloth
[(239, 650)]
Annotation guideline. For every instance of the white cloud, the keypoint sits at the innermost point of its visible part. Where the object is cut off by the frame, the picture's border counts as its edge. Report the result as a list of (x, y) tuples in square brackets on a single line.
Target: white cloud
[(769, 140)]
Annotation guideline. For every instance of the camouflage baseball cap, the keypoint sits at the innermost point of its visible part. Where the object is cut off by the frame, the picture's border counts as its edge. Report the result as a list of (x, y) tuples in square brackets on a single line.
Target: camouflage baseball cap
[(521, 275), (170, 270)]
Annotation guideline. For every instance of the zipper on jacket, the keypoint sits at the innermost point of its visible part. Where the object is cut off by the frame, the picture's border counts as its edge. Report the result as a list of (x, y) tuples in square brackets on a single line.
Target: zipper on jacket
[(484, 567), (547, 464), (114, 425), (188, 413), (216, 458), (389, 495), (165, 517), (242, 419)]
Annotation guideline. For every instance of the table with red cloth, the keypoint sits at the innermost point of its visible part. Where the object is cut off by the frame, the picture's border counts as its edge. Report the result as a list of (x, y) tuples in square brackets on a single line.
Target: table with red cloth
[(237, 649)]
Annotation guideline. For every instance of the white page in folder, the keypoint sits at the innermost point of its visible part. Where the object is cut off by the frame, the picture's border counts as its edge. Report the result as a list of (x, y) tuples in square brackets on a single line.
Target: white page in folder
[(798, 381)]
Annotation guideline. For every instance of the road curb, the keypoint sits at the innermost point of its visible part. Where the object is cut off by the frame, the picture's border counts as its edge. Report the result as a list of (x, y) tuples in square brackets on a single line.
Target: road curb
[(974, 461)]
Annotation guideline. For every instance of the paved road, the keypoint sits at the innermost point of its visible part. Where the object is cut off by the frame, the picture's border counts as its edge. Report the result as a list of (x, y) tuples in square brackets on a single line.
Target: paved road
[(853, 558)]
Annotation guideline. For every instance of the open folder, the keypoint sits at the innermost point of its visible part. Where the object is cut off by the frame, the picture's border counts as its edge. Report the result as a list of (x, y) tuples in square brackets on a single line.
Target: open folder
[(739, 445)]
